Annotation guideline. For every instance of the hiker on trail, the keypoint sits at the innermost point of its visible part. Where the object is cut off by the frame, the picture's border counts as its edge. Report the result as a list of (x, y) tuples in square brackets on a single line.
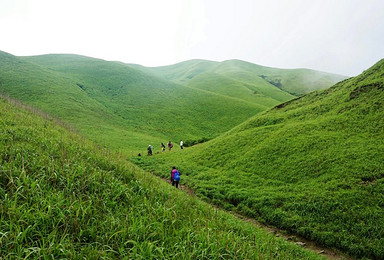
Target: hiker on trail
[(149, 149), (162, 147), (170, 145), (181, 144), (175, 177)]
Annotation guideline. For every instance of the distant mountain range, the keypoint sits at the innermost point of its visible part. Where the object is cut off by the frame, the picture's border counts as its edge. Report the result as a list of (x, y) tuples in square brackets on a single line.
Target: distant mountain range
[(237, 74)]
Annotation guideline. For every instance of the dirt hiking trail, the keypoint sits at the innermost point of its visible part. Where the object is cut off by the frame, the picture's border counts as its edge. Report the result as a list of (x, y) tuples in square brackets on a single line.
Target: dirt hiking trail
[(329, 253)]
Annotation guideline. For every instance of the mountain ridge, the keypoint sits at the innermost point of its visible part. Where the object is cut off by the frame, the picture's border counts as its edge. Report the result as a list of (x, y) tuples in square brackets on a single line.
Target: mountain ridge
[(197, 66)]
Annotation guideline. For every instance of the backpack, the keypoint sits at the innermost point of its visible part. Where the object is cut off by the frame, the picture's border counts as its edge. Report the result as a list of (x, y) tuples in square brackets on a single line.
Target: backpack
[(177, 176)]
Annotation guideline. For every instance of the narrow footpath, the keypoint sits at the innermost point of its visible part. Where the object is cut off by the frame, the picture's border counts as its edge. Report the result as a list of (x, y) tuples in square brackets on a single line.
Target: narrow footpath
[(329, 253)]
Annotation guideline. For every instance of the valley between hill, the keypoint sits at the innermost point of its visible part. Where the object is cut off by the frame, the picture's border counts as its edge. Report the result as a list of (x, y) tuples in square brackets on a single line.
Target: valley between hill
[(61, 196), (312, 166)]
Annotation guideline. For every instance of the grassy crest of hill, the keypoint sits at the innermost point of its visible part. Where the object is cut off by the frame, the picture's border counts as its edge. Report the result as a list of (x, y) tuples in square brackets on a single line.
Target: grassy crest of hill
[(248, 80), (62, 197), (313, 166)]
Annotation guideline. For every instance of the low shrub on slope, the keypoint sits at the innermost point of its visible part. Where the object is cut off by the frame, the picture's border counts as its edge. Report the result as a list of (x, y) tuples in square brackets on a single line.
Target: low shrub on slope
[(62, 197), (313, 166)]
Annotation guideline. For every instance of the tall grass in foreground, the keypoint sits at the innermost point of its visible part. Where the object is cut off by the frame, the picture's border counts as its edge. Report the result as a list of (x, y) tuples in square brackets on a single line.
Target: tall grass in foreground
[(62, 197)]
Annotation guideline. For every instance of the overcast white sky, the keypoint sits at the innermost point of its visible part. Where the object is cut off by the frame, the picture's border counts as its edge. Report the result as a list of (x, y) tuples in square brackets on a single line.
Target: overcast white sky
[(339, 36)]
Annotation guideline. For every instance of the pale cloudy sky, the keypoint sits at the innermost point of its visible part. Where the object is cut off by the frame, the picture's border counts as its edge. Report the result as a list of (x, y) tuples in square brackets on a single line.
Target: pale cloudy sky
[(339, 36)]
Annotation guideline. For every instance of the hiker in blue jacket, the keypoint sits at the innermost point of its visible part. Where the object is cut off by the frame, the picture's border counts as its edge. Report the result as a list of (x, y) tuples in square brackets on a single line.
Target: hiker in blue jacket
[(175, 177)]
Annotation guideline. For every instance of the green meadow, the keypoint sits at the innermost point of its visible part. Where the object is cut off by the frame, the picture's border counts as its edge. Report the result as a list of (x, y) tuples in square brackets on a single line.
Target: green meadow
[(312, 166), (63, 197)]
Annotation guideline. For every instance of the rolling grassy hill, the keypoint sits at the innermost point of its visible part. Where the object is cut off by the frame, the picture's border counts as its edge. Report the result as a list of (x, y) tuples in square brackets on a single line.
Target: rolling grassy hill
[(127, 106), (55, 93), (62, 197), (312, 165)]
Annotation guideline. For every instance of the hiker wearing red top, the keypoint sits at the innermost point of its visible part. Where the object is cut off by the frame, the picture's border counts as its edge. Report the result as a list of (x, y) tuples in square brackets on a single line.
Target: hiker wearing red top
[(170, 145), (175, 177)]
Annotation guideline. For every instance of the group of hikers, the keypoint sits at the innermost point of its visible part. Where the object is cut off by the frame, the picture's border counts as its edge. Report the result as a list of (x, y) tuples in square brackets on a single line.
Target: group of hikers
[(169, 145), (175, 174)]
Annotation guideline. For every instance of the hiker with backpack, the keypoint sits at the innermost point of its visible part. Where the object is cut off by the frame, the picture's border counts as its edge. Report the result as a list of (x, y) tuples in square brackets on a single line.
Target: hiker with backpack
[(175, 177), (162, 147)]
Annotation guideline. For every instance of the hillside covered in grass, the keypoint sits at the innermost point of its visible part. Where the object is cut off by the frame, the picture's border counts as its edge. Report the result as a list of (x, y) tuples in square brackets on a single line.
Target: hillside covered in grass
[(313, 166), (61, 197), (128, 107)]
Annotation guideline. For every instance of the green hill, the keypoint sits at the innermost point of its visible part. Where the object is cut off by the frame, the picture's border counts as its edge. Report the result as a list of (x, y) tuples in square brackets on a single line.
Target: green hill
[(313, 166), (54, 92), (61, 197), (245, 77)]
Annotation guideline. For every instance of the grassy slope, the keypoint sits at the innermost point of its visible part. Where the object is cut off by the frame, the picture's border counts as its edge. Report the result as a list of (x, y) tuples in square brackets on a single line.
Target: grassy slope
[(313, 165), (246, 77), (62, 197), (141, 108)]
